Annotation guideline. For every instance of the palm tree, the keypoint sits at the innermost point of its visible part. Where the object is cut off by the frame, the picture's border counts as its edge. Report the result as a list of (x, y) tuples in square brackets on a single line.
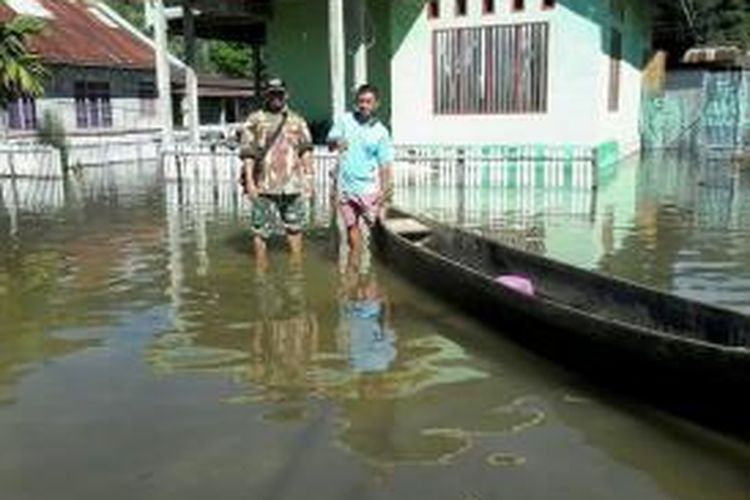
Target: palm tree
[(21, 71)]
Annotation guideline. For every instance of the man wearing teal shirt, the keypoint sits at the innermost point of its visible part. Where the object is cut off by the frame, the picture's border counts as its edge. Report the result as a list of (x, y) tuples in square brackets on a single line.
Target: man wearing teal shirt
[(363, 181)]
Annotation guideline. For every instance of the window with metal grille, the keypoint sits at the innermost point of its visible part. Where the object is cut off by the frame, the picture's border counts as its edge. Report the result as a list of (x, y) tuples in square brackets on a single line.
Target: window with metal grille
[(22, 114), (615, 59), (491, 69), (93, 104)]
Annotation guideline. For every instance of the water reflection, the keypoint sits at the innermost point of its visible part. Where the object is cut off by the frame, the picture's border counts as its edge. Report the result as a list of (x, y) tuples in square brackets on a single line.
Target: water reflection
[(298, 341), (674, 222), (365, 324), (60, 279)]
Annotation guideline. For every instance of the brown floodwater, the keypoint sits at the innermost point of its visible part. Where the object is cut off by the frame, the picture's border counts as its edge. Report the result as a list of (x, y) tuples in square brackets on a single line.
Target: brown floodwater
[(142, 355)]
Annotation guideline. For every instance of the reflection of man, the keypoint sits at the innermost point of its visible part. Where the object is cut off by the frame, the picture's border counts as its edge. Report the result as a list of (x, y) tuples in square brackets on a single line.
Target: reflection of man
[(277, 168), (364, 175), (285, 337), (371, 343)]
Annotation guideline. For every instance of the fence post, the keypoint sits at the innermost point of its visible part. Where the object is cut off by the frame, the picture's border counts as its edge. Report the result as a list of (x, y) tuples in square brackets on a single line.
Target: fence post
[(11, 164), (594, 170)]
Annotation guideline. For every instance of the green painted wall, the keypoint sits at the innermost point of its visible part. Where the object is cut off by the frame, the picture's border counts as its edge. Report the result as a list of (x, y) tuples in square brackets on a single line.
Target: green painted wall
[(297, 51), (379, 62)]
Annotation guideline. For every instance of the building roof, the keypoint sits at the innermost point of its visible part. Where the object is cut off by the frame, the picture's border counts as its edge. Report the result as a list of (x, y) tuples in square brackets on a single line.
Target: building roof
[(220, 86), (77, 33)]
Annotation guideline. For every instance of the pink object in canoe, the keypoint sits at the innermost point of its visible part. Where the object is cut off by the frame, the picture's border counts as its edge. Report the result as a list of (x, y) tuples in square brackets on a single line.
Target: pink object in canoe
[(520, 284)]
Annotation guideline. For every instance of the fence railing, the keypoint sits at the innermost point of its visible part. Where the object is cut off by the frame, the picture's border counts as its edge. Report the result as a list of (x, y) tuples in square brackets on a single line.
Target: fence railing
[(29, 160), (471, 166)]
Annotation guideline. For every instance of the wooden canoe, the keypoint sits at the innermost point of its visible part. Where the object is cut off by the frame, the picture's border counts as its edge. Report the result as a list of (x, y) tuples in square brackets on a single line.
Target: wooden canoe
[(682, 354)]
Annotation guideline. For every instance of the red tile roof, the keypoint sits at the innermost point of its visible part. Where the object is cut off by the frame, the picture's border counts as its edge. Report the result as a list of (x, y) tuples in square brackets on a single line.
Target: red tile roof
[(76, 36)]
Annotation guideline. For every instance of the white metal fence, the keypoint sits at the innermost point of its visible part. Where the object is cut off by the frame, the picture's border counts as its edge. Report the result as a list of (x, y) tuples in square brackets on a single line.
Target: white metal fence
[(28, 160), (455, 166)]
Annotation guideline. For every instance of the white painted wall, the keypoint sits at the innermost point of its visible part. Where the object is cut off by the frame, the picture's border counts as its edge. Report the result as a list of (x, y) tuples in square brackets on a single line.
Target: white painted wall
[(126, 115), (578, 78)]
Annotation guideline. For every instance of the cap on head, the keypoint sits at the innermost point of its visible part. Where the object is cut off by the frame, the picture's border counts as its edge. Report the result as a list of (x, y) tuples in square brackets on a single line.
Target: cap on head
[(275, 85)]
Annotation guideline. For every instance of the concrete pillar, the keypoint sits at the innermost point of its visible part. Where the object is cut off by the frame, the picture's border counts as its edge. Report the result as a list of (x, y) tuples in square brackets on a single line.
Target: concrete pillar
[(193, 113), (336, 41), (163, 76), (360, 55)]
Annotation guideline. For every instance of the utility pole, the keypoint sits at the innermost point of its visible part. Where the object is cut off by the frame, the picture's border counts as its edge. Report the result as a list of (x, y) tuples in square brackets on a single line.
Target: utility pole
[(336, 37), (191, 78), (163, 77), (360, 56)]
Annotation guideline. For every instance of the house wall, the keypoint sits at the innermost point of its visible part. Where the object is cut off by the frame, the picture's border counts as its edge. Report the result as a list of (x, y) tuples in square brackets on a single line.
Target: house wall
[(400, 63), (127, 113), (297, 51), (578, 78)]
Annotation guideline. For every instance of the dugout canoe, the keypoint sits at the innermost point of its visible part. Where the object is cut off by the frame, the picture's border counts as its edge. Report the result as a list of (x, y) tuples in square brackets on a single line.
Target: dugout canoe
[(684, 355)]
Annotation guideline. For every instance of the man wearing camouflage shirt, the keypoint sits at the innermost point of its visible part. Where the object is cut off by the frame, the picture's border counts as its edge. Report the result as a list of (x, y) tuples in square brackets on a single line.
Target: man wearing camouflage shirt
[(277, 161)]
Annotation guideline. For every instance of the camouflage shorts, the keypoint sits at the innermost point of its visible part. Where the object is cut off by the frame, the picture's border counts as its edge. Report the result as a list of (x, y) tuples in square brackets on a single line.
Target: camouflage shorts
[(266, 208)]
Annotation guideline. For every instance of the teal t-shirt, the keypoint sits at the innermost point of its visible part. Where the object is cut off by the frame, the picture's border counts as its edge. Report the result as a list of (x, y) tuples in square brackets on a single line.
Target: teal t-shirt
[(369, 148)]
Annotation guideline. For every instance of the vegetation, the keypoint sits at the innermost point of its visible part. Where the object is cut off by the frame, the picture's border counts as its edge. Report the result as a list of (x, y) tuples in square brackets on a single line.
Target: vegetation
[(131, 10), (685, 23), (230, 59), (212, 56), (21, 71)]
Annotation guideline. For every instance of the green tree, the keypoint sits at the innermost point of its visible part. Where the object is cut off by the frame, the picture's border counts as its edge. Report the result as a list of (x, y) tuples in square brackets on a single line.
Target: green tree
[(130, 11), (685, 23), (723, 21), (21, 71), (230, 59)]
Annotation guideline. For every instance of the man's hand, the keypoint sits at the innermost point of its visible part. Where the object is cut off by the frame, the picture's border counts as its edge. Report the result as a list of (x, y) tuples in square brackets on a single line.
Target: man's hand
[(251, 191), (248, 185), (338, 145), (309, 191)]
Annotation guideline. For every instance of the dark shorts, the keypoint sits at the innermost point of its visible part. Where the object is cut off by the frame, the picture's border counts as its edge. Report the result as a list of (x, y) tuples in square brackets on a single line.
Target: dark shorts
[(289, 207)]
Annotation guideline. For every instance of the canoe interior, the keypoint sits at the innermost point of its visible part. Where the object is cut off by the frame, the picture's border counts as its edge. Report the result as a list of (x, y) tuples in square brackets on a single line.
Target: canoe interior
[(558, 283)]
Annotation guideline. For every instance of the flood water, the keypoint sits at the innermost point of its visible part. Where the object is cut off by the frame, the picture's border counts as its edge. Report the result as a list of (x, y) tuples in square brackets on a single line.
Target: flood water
[(666, 221), (142, 355)]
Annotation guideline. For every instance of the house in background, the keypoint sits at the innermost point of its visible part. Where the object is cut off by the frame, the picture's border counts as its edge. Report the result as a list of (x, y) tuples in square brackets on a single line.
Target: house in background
[(477, 72), (102, 80), (101, 76)]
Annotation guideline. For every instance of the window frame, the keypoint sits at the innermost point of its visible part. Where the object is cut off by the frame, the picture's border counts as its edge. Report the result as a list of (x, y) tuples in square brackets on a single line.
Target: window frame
[(22, 114), (433, 9), (460, 8), (93, 104), (496, 94)]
